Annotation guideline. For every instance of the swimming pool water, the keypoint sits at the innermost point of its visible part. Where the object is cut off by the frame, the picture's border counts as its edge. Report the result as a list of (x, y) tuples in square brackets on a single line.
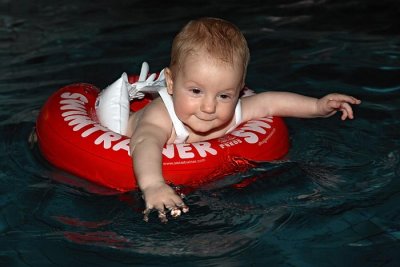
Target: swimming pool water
[(333, 201)]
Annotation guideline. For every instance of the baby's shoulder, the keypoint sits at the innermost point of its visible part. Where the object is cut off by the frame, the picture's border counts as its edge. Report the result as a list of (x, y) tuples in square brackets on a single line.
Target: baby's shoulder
[(156, 110), (255, 106), (153, 118), (248, 106)]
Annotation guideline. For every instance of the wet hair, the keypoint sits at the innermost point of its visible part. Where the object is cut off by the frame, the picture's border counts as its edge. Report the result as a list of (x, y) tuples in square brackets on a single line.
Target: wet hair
[(222, 40)]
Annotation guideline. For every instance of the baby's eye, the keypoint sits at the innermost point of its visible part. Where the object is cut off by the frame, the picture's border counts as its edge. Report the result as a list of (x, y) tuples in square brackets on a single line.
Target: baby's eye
[(225, 97), (195, 91)]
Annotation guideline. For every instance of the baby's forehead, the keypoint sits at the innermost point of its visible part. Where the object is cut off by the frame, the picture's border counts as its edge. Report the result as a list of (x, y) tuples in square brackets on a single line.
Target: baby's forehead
[(203, 72), (214, 60)]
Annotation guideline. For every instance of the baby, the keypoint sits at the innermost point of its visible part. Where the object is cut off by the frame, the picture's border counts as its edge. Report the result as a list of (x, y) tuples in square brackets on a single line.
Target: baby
[(200, 100)]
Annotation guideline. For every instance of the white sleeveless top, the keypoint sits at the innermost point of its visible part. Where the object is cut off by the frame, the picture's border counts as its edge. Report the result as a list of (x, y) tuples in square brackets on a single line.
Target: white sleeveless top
[(181, 133)]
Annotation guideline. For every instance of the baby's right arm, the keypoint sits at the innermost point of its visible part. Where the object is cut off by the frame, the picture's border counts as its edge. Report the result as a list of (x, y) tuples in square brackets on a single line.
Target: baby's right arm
[(146, 147)]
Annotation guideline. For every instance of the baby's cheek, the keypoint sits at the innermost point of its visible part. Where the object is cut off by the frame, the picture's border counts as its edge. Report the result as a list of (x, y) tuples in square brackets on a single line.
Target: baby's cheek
[(227, 116)]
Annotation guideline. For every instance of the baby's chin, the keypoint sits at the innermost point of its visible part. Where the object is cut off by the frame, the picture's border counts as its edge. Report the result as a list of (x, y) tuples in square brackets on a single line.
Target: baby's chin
[(206, 128)]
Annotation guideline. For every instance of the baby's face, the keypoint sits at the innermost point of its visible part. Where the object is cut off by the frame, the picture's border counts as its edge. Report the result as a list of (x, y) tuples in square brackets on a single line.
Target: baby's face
[(205, 93)]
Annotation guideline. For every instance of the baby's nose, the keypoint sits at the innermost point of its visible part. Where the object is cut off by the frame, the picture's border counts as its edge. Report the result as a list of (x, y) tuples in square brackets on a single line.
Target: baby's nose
[(208, 105)]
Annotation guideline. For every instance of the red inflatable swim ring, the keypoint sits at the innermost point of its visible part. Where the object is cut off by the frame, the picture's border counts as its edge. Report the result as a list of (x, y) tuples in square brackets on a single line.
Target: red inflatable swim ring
[(71, 138)]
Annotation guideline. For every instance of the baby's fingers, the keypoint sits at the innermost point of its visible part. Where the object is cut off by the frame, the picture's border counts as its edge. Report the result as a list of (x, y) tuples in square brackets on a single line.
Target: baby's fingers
[(343, 98), (347, 111), (349, 99), (162, 215), (146, 214), (354, 101), (174, 211), (177, 210), (150, 207)]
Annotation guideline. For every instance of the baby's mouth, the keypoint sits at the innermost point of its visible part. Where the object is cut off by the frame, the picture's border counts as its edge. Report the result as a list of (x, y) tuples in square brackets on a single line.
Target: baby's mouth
[(205, 118)]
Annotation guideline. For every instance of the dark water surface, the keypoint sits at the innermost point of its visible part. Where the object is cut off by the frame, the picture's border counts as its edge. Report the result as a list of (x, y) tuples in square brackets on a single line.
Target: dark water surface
[(333, 202)]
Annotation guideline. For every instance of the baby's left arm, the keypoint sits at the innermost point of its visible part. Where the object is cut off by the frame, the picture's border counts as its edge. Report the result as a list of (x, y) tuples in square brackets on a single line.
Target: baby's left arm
[(286, 104)]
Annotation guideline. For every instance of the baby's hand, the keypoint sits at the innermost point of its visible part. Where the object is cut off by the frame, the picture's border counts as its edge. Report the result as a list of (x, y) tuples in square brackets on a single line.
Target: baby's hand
[(330, 104), (161, 197)]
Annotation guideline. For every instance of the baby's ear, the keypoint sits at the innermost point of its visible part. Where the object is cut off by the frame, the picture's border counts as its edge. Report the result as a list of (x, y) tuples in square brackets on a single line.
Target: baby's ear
[(169, 81)]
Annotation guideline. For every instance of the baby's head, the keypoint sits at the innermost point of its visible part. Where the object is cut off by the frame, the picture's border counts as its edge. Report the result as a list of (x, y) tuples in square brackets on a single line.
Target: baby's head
[(214, 38)]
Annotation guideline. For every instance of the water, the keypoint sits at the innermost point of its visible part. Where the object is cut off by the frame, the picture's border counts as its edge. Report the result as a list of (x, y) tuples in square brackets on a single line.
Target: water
[(332, 202)]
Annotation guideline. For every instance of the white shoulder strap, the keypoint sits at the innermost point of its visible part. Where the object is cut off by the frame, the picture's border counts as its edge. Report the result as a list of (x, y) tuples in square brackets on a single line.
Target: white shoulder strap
[(238, 116), (181, 133), (238, 113)]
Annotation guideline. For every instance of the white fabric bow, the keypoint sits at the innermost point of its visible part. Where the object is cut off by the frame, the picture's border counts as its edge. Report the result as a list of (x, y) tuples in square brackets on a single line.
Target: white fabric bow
[(138, 89)]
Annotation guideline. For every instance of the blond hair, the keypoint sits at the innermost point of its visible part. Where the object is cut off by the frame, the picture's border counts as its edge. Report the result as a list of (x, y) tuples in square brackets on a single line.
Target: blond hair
[(221, 39)]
